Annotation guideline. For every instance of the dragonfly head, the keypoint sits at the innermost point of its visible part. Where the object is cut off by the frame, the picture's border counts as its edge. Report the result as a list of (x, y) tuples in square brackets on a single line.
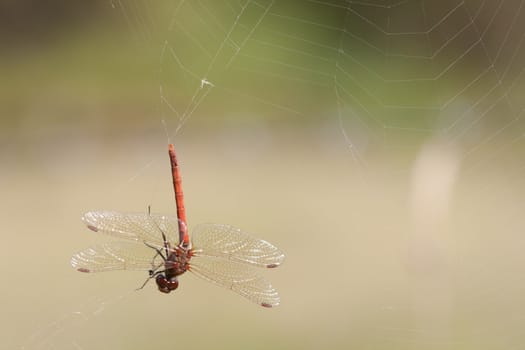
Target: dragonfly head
[(166, 285)]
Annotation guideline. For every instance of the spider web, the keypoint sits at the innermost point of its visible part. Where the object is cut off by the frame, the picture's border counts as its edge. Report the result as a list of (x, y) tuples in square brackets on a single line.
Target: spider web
[(391, 74), (391, 77)]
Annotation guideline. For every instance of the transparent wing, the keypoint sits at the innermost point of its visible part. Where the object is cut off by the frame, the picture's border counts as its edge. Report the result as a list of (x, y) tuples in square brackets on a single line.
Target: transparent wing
[(237, 277), (141, 227), (115, 256), (227, 242)]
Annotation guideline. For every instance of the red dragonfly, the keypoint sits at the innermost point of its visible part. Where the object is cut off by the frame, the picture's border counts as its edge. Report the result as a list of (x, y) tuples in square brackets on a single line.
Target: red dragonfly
[(218, 253)]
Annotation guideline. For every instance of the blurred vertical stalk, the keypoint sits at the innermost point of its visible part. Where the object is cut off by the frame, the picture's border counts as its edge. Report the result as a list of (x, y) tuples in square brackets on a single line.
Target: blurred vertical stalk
[(434, 174)]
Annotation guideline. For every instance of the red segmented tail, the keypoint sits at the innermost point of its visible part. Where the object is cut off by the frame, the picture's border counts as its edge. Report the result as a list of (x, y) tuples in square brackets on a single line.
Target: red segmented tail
[(179, 197)]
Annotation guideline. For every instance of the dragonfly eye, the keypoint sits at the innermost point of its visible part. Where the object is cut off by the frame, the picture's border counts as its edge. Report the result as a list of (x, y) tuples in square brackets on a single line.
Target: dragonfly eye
[(166, 285)]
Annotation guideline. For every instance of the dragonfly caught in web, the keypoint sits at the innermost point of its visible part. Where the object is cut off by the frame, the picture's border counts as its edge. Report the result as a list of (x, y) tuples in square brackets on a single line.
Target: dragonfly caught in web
[(161, 245)]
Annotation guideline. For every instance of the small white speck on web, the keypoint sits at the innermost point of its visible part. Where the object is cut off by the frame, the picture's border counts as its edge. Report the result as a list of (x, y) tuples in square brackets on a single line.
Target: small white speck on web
[(205, 82), (81, 314)]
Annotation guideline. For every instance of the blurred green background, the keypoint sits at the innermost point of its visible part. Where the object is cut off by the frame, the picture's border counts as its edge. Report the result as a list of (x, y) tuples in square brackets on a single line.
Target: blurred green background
[(379, 145)]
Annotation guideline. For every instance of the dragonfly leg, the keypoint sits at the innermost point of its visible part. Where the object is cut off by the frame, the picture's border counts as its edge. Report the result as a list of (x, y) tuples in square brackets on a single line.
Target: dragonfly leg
[(159, 252), (153, 273), (145, 282)]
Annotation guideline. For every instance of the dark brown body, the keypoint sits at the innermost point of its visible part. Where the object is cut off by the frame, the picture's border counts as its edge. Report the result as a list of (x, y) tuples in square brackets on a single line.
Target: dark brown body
[(176, 264)]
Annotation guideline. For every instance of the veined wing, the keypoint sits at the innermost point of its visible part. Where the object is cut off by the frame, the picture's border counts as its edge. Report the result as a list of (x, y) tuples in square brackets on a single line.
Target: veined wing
[(227, 242), (237, 277), (140, 227), (115, 256)]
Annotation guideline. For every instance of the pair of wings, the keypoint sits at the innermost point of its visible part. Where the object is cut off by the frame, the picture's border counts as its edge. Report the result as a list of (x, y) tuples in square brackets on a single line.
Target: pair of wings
[(223, 254)]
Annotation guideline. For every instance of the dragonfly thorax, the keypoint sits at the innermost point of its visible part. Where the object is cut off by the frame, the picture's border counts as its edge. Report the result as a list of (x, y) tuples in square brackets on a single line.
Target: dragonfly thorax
[(175, 264)]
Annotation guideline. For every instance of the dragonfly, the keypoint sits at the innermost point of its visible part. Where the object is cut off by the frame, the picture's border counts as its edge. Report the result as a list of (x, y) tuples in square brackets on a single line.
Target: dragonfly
[(161, 245)]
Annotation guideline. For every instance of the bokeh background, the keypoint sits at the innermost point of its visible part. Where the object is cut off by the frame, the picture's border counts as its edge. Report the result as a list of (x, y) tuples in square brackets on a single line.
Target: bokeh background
[(378, 143)]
